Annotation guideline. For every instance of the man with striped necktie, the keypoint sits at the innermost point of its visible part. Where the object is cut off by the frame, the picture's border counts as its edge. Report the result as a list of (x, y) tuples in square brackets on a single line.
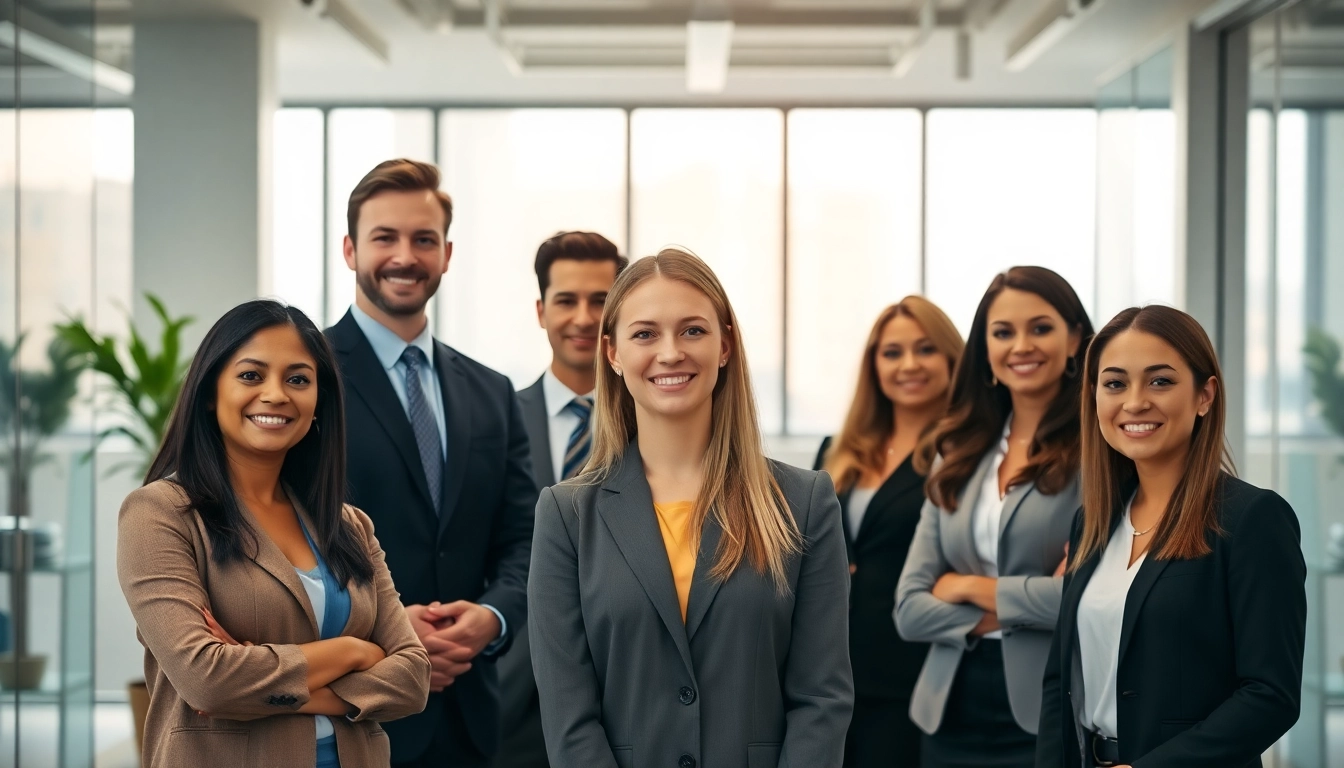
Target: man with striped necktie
[(575, 270)]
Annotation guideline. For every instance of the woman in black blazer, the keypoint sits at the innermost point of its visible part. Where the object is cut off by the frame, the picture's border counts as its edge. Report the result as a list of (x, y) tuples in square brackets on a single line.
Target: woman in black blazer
[(878, 462), (1181, 631)]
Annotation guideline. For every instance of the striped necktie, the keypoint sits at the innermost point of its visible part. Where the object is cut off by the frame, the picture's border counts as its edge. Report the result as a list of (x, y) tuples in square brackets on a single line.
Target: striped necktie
[(581, 439), (423, 424)]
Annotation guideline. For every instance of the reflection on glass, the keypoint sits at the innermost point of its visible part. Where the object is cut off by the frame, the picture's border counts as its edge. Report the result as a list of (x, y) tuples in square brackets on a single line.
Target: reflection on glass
[(296, 254), (1009, 187), (712, 181), (855, 215), (517, 177), (361, 139)]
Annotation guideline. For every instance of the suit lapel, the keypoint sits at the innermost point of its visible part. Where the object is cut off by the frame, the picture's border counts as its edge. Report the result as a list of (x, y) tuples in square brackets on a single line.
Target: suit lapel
[(1012, 502), (625, 504), (274, 562), (960, 547), (1068, 607), (704, 587), (457, 423), (368, 381), (902, 479), (1149, 571), (537, 420)]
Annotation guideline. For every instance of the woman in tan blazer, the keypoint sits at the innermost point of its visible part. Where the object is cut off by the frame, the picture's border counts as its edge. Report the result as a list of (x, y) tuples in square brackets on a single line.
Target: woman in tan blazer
[(273, 634)]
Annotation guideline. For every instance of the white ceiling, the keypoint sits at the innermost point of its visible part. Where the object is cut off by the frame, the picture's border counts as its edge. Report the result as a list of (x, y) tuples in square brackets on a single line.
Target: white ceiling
[(319, 62)]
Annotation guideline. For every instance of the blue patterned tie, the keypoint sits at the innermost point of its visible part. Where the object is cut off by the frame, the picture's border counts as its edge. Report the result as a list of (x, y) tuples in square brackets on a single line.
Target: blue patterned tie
[(581, 439), (423, 424)]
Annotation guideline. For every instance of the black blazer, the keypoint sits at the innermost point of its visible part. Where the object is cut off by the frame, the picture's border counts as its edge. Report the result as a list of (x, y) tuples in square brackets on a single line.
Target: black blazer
[(1210, 649), (477, 545), (885, 666)]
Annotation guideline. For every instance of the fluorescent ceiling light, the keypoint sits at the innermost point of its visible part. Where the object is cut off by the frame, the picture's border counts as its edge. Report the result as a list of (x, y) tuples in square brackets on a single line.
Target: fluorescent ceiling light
[(1048, 28), (67, 59), (709, 44), (356, 27)]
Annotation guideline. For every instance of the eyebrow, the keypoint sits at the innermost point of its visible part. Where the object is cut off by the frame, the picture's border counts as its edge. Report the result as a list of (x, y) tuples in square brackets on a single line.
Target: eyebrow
[(260, 364), (558, 294), (1032, 320), (1149, 369), (683, 321), (393, 230)]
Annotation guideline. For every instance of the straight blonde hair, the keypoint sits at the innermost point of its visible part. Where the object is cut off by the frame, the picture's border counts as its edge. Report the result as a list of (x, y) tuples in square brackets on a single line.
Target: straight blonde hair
[(1192, 513), (739, 490), (862, 441)]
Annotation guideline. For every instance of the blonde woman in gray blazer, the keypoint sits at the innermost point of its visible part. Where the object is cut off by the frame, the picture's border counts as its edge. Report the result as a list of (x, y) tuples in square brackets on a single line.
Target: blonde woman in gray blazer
[(982, 582), (688, 598)]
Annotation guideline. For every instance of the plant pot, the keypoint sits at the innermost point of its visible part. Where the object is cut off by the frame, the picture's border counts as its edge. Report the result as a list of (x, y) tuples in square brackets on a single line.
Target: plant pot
[(139, 693), (23, 674)]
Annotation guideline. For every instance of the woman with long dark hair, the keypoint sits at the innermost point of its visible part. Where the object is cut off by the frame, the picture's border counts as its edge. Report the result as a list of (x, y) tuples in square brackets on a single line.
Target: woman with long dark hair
[(1183, 621), (981, 582), (273, 634), (687, 595), (879, 461)]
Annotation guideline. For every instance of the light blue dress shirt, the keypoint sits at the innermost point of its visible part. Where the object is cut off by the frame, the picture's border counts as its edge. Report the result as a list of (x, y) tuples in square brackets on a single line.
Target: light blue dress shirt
[(388, 347)]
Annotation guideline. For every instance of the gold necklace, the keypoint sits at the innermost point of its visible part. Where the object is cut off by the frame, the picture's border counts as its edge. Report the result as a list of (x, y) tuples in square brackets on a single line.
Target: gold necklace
[(1138, 533)]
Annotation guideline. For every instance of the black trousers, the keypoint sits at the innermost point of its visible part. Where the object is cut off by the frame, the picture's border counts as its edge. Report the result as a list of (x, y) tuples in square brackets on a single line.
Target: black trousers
[(978, 729), (881, 734), (451, 747)]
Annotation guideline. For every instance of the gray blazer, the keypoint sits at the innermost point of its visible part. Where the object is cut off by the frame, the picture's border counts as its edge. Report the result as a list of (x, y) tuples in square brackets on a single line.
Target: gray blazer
[(1032, 534), (752, 678)]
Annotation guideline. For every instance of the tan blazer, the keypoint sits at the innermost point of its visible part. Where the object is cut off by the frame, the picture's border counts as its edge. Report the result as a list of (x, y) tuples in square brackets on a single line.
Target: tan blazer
[(167, 572)]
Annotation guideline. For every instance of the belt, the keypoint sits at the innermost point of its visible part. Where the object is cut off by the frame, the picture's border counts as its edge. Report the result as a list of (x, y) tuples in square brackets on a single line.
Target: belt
[(1105, 751)]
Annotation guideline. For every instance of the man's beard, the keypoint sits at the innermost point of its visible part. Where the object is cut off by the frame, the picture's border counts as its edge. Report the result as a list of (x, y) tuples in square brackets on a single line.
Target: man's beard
[(368, 283)]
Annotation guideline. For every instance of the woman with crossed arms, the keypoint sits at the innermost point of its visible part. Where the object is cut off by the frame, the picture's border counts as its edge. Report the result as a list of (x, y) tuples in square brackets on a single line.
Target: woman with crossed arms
[(1182, 627)]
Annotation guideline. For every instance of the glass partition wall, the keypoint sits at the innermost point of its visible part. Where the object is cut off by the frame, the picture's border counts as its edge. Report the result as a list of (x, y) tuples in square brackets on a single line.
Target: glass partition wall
[(46, 275), (1294, 316)]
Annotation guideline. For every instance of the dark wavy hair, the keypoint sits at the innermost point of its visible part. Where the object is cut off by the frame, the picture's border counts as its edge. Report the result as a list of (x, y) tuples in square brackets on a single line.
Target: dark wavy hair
[(980, 406), (193, 450)]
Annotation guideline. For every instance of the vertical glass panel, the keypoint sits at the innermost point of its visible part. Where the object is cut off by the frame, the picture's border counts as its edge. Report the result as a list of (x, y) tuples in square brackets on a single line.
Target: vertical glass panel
[(517, 177), (1005, 188), (297, 263), (855, 219), (9, 394), (712, 181), (359, 140)]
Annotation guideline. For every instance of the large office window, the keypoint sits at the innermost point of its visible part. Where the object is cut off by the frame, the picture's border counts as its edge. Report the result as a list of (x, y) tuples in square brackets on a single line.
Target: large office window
[(855, 219), (1008, 187), (712, 181), (297, 259), (517, 177)]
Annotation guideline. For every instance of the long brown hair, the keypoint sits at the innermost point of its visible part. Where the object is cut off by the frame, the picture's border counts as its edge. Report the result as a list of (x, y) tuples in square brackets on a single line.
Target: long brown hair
[(980, 405), (860, 446), (739, 489), (1108, 474)]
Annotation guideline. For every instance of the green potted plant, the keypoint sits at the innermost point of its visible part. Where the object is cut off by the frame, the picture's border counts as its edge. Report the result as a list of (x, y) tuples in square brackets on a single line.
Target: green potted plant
[(145, 395), (34, 405), (1327, 380)]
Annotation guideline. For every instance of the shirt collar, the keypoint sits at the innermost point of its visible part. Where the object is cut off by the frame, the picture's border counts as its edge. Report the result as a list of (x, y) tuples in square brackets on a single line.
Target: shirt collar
[(558, 396), (1003, 439), (387, 345)]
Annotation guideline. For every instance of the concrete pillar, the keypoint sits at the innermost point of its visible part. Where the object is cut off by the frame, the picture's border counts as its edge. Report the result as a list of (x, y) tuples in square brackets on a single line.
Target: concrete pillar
[(204, 103)]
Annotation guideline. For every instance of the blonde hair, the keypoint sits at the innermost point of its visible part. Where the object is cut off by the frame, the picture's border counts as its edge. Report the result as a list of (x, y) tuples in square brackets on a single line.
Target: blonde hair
[(738, 490), (862, 441)]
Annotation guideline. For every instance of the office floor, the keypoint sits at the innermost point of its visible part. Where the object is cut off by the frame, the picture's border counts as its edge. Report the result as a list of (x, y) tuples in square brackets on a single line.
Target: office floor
[(113, 731)]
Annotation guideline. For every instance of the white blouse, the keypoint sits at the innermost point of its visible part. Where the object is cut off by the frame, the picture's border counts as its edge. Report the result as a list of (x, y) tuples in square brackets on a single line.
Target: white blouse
[(1101, 614), (988, 512), (859, 499)]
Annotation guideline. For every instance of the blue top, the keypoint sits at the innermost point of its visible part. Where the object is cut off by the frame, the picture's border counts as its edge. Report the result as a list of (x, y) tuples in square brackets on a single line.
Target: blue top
[(331, 608)]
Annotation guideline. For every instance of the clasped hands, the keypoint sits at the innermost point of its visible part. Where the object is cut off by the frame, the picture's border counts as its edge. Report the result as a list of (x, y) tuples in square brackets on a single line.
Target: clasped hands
[(453, 634)]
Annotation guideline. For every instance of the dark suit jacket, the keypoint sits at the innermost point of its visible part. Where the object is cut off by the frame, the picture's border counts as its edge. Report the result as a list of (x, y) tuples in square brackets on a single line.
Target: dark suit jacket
[(751, 679), (885, 666), (477, 545), (522, 744), (1210, 649)]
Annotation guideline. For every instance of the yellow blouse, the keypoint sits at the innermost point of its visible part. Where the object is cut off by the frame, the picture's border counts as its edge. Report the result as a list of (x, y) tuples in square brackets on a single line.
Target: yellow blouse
[(674, 521)]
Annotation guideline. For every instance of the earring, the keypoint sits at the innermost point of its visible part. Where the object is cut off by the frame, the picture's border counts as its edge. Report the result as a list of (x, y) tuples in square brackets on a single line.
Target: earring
[(722, 363), (993, 381), (317, 427), (617, 371), (1071, 367)]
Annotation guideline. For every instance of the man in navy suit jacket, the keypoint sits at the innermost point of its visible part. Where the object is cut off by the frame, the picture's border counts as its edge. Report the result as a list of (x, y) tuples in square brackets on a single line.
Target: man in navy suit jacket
[(438, 458)]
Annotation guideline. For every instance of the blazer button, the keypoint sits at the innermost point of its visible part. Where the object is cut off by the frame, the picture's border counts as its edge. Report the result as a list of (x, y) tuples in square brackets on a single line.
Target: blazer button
[(686, 695), (686, 761)]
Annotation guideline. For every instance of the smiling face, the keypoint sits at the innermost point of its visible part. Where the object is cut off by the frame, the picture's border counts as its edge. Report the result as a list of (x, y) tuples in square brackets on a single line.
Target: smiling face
[(668, 346), (266, 394), (571, 311), (912, 372), (1029, 344), (1148, 399), (401, 253)]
